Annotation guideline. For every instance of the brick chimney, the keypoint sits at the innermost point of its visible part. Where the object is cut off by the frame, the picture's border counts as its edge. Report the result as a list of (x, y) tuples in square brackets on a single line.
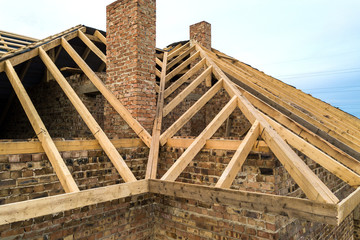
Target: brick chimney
[(201, 32), (130, 51)]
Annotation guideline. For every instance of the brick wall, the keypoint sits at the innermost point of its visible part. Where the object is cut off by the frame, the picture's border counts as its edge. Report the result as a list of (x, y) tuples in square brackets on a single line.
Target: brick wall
[(56, 111), (179, 218), (201, 32), (127, 218), (131, 33), (261, 172), (298, 229), (31, 176)]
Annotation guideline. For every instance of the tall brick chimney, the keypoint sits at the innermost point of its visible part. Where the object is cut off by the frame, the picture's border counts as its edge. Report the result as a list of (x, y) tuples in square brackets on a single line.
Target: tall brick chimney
[(130, 51), (201, 32)]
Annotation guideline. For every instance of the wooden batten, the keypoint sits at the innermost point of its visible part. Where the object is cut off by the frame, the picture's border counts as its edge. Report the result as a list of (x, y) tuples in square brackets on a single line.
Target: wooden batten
[(279, 125), (315, 154), (18, 59), (305, 133)]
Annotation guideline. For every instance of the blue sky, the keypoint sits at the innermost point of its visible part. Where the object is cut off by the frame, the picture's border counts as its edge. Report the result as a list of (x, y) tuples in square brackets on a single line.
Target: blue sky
[(312, 45)]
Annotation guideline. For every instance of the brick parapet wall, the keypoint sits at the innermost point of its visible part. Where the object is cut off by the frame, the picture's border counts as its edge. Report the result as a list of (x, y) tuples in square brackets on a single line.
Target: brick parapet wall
[(131, 33)]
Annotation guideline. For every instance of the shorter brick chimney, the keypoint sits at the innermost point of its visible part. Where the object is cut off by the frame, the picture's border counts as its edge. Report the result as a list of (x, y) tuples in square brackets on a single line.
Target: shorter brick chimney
[(201, 32), (130, 52)]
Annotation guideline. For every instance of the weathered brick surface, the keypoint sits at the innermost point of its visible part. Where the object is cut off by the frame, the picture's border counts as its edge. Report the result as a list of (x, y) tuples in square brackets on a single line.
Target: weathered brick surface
[(308, 230), (128, 218), (33, 176), (131, 33), (56, 111), (178, 218), (201, 32), (130, 75)]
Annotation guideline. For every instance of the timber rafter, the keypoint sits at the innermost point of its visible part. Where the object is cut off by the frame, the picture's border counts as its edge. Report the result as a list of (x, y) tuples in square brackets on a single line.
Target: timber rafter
[(271, 130)]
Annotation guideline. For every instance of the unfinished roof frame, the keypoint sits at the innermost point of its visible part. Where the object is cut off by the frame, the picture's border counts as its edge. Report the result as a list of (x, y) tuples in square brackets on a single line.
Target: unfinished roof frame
[(278, 131)]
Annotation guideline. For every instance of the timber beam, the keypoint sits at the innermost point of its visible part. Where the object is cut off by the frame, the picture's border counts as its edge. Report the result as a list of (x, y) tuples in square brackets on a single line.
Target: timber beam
[(31, 147), (24, 210), (305, 209), (290, 206)]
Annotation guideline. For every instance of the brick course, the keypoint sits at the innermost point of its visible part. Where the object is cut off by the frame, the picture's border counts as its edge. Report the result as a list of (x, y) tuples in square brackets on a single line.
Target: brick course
[(56, 111), (201, 32), (131, 76), (131, 33)]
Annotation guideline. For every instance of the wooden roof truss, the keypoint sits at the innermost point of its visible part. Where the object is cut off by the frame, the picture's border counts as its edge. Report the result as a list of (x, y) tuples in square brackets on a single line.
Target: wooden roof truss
[(336, 148), (10, 42)]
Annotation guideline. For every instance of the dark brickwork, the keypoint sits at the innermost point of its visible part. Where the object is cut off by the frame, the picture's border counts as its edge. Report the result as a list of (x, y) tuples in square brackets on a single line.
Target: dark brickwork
[(56, 111), (131, 33), (128, 218), (30, 176), (178, 218), (130, 75)]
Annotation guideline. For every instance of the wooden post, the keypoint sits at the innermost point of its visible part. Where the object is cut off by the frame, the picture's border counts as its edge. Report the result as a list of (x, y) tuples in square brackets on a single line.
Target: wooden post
[(94, 127), (50, 149), (151, 168)]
